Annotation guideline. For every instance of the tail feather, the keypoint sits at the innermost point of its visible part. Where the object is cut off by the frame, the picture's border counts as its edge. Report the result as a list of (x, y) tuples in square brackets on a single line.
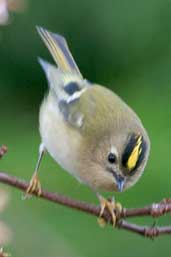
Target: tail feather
[(58, 47)]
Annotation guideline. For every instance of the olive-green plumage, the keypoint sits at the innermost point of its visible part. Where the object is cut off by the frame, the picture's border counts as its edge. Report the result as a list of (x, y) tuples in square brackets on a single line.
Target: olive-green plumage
[(87, 128), (103, 111)]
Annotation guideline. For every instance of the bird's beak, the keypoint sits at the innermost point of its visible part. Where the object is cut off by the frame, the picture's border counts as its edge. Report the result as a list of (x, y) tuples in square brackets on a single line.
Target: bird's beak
[(119, 180), (120, 183)]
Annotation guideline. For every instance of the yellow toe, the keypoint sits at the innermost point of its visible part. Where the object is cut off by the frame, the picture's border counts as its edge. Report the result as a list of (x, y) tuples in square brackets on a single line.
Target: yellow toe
[(113, 208), (34, 186)]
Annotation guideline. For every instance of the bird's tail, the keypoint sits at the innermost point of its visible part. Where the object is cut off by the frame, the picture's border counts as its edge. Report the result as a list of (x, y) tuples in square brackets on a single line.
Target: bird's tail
[(58, 47)]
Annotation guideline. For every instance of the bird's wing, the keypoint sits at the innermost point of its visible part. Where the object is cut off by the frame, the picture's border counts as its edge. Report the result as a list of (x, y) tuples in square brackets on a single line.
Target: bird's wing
[(68, 89), (65, 81)]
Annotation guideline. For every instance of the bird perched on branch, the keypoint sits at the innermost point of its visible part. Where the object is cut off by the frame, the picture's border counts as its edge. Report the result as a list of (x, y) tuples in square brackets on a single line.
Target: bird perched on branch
[(88, 129)]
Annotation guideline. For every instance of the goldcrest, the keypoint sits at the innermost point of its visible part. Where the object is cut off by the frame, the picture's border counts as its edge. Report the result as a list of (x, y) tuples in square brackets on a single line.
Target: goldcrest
[(89, 130)]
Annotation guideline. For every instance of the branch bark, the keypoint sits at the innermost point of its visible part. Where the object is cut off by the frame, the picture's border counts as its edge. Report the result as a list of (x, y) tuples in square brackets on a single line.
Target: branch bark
[(3, 150), (153, 210)]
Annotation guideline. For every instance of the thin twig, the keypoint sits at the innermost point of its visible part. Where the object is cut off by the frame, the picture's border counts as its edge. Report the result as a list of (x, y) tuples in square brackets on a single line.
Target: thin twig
[(154, 210), (3, 150)]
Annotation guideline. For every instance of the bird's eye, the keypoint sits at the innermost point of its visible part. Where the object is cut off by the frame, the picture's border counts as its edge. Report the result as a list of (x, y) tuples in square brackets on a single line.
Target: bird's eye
[(111, 158)]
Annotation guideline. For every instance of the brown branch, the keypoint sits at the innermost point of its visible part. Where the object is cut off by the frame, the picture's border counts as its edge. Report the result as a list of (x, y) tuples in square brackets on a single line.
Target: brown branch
[(154, 210), (3, 150)]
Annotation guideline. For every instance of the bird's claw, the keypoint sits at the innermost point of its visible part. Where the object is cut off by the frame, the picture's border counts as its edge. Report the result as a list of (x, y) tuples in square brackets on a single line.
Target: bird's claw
[(34, 186), (113, 208)]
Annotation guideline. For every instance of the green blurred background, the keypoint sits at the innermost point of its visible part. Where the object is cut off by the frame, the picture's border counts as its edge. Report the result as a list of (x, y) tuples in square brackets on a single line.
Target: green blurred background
[(125, 45)]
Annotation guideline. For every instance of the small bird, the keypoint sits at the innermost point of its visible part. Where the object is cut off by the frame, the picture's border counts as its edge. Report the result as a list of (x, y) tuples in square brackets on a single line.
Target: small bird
[(89, 130)]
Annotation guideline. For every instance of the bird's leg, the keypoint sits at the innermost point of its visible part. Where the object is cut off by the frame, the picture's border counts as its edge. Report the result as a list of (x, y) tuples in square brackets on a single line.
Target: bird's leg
[(34, 185), (113, 208)]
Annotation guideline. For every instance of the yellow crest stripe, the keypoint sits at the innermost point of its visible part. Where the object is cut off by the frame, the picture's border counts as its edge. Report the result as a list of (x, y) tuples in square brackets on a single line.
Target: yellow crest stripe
[(131, 163)]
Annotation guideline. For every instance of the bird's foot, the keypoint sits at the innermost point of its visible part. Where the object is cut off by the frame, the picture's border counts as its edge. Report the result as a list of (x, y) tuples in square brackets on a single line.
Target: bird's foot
[(34, 186), (112, 207)]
